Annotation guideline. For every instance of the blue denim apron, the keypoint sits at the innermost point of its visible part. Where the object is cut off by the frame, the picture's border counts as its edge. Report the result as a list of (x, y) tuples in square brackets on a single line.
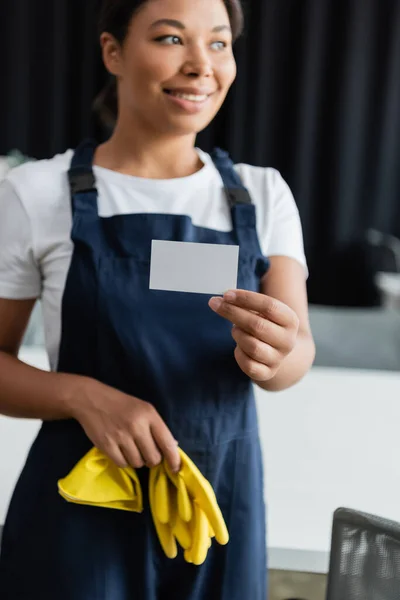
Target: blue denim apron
[(169, 349)]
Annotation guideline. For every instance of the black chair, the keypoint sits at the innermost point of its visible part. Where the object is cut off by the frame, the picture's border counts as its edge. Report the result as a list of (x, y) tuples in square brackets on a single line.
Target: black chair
[(365, 557)]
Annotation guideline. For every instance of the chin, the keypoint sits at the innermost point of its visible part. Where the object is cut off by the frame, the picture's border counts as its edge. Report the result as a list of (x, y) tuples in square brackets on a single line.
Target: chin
[(189, 126)]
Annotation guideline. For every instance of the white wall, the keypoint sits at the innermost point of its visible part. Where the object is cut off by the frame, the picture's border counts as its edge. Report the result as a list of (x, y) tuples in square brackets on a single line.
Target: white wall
[(331, 441)]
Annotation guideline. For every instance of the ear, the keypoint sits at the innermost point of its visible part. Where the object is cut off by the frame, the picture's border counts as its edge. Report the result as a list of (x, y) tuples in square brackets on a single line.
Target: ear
[(111, 51)]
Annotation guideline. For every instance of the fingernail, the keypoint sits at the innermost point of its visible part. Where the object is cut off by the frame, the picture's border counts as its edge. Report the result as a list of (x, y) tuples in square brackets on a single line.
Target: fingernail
[(215, 303), (230, 296)]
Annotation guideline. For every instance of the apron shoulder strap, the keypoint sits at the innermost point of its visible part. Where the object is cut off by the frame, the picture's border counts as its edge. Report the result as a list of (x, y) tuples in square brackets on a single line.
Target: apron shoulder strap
[(242, 209), (82, 181), (236, 192)]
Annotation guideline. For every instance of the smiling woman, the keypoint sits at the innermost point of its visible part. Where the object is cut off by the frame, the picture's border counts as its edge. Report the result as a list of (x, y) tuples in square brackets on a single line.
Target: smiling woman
[(116, 19), (135, 369)]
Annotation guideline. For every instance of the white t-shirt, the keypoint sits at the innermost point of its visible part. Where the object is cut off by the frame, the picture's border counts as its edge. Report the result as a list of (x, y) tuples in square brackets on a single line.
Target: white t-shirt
[(35, 221)]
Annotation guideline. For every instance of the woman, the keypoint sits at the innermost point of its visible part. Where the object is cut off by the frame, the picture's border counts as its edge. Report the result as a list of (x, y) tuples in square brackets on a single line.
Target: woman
[(134, 370)]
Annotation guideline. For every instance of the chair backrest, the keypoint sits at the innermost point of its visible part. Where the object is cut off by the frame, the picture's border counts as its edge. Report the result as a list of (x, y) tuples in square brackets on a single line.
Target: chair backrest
[(365, 557)]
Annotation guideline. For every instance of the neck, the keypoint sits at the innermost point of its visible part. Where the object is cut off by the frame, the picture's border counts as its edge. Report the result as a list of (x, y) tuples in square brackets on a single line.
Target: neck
[(136, 150)]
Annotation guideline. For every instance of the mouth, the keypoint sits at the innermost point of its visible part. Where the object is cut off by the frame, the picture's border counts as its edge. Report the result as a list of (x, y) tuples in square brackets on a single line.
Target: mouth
[(189, 97)]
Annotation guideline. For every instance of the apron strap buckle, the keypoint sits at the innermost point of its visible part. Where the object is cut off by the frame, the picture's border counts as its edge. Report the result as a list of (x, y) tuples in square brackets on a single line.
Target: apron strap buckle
[(238, 196), (81, 180)]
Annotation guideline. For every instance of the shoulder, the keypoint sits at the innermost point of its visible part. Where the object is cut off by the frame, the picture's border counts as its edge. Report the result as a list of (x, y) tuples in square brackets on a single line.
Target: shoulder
[(38, 172), (41, 183), (266, 185), (40, 189), (278, 218)]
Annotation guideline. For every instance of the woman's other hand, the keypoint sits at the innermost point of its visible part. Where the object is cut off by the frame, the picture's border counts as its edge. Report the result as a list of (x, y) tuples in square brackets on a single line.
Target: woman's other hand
[(127, 429)]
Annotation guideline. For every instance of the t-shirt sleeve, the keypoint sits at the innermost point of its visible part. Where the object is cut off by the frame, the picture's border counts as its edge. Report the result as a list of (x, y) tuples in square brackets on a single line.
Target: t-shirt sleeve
[(20, 276), (286, 234)]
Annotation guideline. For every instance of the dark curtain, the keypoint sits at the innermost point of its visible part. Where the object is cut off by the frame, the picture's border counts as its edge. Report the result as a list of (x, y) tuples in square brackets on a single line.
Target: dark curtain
[(317, 97)]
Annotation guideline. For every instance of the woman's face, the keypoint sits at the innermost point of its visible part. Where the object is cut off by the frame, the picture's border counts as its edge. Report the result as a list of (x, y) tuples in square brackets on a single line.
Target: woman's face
[(176, 65)]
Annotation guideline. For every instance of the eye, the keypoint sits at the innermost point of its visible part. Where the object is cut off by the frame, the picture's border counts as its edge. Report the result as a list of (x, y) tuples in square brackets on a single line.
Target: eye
[(169, 40), (219, 45)]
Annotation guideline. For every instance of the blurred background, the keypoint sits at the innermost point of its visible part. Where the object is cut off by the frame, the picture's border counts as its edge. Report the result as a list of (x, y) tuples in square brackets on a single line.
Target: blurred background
[(318, 98)]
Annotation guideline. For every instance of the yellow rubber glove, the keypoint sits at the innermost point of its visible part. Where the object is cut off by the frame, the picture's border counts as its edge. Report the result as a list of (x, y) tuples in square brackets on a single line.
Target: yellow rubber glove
[(201, 491), (97, 481), (185, 509)]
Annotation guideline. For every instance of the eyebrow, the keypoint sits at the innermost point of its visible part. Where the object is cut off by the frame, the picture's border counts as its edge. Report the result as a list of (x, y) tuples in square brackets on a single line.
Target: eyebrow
[(179, 25)]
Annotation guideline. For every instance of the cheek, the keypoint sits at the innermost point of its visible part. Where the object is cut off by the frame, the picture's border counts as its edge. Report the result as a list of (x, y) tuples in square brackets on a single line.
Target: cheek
[(144, 73), (147, 74), (232, 72), (226, 74)]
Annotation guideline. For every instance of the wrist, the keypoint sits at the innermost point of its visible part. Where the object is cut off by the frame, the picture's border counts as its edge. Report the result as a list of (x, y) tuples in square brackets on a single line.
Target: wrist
[(74, 392)]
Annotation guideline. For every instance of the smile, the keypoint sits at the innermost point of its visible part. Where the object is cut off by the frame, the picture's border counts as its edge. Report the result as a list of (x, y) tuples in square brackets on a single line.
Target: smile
[(188, 102), (190, 97)]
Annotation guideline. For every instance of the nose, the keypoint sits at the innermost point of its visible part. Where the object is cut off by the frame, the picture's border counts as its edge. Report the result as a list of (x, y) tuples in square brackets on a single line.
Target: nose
[(198, 64)]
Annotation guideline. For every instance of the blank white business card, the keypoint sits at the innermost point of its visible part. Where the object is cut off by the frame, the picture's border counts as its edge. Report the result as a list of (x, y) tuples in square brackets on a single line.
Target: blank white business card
[(192, 267)]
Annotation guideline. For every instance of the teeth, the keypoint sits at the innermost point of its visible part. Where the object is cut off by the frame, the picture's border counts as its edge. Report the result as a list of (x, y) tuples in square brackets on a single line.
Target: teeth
[(190, 97)]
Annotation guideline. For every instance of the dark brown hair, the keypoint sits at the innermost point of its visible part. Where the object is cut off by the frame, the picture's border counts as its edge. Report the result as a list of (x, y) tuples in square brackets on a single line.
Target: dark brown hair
[(115, 18)]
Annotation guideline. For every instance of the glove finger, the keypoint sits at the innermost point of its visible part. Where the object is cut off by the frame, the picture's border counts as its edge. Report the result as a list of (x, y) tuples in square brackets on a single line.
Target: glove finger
[(201, 538), (184, 501), (210, 531), (173, 504), (216, 520), (181, 531), (161, 497), (164, 532), (188, 556), (180, 528)]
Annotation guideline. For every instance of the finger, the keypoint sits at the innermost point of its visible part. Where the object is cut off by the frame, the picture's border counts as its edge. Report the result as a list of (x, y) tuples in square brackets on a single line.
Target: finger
[(114, 453), (148, 449), (252, 323), (255, 370), (271, 334), (269, 307), (259, 351), (132, 454), (167, 444)]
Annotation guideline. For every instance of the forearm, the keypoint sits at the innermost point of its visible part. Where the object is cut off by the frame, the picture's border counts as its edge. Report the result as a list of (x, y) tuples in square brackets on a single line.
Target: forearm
[(29, 393), (294, 367)]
